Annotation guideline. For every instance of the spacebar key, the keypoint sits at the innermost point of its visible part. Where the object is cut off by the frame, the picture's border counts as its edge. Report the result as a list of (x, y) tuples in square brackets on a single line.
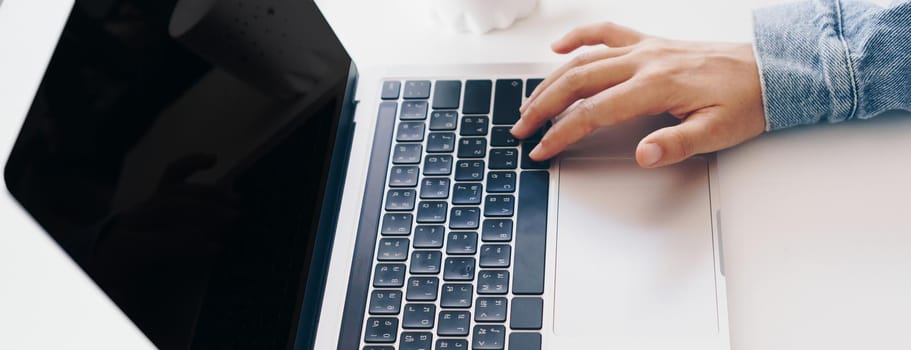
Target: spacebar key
[(531, 233)]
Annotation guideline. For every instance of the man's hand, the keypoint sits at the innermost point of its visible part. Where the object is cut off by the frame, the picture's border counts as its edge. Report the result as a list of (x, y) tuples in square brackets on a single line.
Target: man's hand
[(713, 88)]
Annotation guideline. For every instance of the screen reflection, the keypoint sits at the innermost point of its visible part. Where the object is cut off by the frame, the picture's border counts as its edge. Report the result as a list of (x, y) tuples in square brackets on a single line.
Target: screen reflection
[(179, 151)]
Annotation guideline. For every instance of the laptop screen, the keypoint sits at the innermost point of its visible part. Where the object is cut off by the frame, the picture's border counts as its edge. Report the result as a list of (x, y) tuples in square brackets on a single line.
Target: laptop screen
[(182, 152)]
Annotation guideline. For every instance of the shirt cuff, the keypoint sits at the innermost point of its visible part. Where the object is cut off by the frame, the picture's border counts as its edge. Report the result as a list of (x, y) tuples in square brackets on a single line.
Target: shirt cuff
[(805, 69)]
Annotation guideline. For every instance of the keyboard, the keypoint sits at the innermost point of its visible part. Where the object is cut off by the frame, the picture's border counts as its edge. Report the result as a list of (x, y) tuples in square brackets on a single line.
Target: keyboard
[(460, 250)]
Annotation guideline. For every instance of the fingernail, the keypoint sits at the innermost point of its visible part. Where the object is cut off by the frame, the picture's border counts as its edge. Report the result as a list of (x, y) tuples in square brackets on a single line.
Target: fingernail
[(515, 128), (555, 46), (535, 153), (651, 154)]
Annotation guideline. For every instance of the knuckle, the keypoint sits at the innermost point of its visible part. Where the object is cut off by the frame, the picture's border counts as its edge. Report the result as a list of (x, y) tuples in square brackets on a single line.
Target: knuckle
[(643, 48), (651, 47), (588, 114), (575, 77), (683, 142), (652, 76), (580, 59), (586, 107), (716, 130), (659, 72), (606, 26), (531, 113)]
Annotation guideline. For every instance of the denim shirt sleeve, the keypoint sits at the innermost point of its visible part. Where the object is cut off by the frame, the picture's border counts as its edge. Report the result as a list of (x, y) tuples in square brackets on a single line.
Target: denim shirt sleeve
[(833, 60)]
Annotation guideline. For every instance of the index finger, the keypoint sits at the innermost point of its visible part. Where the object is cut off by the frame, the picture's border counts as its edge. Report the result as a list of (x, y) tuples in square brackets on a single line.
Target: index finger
[(615, 105)]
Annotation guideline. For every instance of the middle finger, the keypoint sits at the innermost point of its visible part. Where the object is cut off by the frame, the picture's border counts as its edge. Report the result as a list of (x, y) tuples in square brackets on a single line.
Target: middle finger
[(575, 84), (579, 60)]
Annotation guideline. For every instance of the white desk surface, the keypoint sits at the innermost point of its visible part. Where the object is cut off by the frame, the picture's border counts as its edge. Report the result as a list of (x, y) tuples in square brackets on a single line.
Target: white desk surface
[(45, 300)]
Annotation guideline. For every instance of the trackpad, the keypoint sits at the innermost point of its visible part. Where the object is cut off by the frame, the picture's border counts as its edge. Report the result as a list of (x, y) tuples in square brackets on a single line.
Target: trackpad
[(634, 250)]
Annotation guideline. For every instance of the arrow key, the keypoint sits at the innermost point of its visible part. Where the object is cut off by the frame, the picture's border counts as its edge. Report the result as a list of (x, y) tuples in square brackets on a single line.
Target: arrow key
[(489, 337), (490, 310)]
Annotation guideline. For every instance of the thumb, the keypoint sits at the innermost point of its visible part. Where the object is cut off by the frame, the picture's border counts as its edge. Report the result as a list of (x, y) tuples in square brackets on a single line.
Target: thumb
[(673, 144)]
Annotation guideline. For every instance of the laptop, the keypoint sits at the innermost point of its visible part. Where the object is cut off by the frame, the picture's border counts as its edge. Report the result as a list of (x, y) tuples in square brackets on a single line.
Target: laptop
[(224, 173)]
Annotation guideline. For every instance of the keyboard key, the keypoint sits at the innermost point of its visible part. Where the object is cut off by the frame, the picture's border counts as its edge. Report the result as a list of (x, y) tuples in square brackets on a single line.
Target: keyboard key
[(441, 142), (459, 269), (477, 96), (531, 233), (499, 205), (455, 295), (410, 132), (527, 313), (416, 89), (416, 341), (462, 243), (396, 224), (413, 110), (389, 275), (443, 120), (407, 153), (469, 170), (432, 212), (377, 347), (507, 99), (404, 176), (385, 302), (435, 188), (418, 316), (488, 337), (391, 90), (467, 193), (387, 110), (393, 249), (501, 182), (490, 309), (422, 288), (400, 200), (531, 85), (437, 165), (503, 158), (472, 147), (524, 341), (464, 218), (501, 136), (452, 344), (426, 262), (493, 282), (454, 323), (495, 255), (474, 126), (497, 230), (447, 94), (527, 162), (381, 330), (429, 236)]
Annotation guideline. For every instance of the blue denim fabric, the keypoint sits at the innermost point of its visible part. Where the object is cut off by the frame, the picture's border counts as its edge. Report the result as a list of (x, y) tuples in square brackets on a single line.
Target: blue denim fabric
[(833, 60)]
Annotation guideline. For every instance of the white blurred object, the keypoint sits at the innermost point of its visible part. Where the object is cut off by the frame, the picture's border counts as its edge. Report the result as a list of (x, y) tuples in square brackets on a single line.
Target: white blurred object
[(477, 16)]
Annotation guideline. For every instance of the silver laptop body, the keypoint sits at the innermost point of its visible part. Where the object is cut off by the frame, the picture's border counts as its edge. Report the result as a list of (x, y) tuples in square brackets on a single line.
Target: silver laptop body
[(585, 251)]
